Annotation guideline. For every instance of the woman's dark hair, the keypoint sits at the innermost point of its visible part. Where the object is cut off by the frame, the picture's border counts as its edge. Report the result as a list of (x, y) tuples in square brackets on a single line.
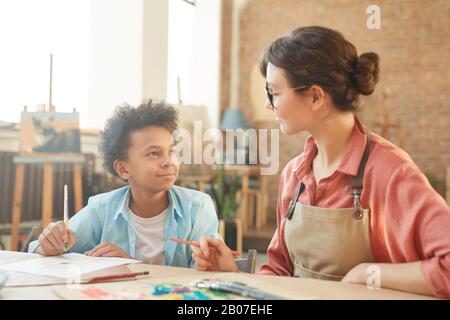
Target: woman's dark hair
[(320, 56), (115, 138)]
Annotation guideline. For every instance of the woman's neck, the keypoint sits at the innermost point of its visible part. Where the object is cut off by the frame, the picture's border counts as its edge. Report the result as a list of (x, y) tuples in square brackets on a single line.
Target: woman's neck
[(332, 138), (147, 204)]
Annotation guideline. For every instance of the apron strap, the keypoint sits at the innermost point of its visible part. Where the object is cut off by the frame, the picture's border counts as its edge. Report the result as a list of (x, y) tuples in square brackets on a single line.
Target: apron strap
[(291, 208), (357, 181)]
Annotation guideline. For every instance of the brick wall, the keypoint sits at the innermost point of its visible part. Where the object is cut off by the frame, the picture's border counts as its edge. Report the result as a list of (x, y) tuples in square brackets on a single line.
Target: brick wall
[(414, 48)]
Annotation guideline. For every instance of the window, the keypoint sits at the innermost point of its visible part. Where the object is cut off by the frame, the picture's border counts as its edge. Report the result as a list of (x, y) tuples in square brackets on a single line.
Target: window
[(29, 31), (180, 51)]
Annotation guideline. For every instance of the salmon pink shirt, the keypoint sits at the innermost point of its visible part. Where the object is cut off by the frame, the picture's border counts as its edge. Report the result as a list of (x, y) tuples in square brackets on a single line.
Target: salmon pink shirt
[(409, 221)]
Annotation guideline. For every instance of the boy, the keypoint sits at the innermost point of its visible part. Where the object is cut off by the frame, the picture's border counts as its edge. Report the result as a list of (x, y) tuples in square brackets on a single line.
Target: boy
[(139, 219)]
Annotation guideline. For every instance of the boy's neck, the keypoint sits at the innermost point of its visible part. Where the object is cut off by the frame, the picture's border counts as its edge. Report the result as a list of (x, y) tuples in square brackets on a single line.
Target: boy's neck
[(148, 204)]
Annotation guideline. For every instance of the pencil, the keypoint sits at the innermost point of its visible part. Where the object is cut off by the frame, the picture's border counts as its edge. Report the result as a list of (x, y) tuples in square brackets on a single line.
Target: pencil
[(196, 244), (66, 216), (118, 276)]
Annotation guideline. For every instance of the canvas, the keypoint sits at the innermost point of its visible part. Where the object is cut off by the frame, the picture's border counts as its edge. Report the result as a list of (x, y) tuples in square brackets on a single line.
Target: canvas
[(50, 132)]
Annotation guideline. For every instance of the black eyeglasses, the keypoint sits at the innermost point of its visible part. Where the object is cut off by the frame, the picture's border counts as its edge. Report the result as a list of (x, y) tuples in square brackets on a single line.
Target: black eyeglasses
[(270, 95)]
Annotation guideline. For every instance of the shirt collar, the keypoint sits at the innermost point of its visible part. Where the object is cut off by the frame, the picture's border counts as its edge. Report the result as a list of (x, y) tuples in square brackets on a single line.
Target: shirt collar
[(304, 162), (350, 161), (174, 205), (124, 211)]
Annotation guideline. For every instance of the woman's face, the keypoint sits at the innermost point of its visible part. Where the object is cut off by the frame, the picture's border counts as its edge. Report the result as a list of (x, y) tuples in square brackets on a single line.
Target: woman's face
[(293, 111)]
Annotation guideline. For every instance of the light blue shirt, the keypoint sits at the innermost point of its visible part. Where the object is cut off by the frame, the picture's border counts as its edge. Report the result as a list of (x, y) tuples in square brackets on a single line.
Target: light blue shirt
[(106, 218)]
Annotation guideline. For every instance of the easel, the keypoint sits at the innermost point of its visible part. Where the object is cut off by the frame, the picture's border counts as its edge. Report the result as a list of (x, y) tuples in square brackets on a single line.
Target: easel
[(27, 155), (48, 163), (386, 125)]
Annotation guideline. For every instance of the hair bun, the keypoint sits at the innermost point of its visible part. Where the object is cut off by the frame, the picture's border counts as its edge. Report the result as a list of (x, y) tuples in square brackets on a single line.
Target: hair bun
[(366, 72)]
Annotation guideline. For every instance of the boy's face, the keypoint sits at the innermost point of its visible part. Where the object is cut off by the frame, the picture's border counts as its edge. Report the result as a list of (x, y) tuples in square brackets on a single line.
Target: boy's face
[(151, 162)]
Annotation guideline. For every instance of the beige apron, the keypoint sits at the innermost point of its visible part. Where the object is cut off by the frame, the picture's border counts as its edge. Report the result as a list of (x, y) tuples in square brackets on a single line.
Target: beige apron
[(326, 243)]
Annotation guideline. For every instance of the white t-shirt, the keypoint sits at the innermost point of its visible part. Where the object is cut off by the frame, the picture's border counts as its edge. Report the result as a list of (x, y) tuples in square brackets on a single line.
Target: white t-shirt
[(150, 237)]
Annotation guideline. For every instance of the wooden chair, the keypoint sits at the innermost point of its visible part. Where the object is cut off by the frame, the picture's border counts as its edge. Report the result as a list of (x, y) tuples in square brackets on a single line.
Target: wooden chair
[(234, 223), (247, 264), (32, 236), (255, 208)]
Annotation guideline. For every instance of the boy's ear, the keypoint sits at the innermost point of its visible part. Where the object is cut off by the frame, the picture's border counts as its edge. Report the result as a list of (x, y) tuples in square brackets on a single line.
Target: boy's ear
[(121, 169)]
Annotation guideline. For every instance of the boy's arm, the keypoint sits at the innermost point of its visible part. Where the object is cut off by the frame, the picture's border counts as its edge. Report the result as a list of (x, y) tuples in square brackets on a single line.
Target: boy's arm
[(87, 228)]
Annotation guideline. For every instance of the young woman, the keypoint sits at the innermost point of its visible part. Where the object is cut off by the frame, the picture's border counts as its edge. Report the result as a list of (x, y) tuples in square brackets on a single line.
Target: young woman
[(351, 199)]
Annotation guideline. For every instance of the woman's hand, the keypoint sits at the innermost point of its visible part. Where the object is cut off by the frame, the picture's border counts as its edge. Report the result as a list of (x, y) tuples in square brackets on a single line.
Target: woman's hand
[(106, 249), (51, 240), (213, 255), (357, 274)]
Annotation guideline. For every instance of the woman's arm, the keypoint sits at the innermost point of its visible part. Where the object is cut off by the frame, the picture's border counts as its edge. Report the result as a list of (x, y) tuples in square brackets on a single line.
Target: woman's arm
[(415, 229), (278, 260), (398, 276)]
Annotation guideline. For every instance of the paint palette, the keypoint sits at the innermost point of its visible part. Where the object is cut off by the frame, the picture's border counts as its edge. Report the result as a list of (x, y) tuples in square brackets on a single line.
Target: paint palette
[(141, 290), (177, 292), (182, 287)]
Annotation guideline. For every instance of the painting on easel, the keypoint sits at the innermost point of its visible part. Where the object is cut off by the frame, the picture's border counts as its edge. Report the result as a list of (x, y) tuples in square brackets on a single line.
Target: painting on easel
[(49, 132)]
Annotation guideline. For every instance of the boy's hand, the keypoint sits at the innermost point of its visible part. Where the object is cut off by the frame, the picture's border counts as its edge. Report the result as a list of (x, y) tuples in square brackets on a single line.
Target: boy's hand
[(106, 249), (51, 240), (213, 255)]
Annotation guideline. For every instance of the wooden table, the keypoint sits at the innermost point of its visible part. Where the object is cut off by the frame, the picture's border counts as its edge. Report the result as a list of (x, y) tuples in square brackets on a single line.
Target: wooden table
[(296, 288)]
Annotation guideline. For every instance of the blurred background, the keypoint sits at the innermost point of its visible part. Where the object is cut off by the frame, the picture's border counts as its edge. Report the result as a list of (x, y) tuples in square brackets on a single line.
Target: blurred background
[(202, 56)]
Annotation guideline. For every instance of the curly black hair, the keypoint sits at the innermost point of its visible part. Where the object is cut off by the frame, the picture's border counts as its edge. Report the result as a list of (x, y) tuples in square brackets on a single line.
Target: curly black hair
[(126, 119)]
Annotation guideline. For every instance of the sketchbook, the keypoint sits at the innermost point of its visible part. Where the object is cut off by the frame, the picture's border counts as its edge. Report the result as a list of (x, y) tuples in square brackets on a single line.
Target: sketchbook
[(66, 266)]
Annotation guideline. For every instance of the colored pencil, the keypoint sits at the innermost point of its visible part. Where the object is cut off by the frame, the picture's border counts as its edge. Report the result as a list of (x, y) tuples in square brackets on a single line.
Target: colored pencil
[(117, 276), (196, 244)]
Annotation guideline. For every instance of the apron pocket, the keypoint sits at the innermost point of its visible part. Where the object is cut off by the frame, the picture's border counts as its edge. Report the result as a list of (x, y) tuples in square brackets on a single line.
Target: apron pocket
[(302, 272)]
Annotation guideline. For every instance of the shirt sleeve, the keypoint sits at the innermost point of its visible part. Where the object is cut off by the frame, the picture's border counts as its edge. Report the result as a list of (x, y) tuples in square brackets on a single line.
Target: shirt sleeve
[(417, 222), (278, 259), (33, 246), (87, 228), (205, 224)]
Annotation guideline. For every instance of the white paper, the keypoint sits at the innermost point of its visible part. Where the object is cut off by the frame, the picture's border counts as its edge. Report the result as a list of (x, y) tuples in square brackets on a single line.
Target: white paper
[(65, 266)]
